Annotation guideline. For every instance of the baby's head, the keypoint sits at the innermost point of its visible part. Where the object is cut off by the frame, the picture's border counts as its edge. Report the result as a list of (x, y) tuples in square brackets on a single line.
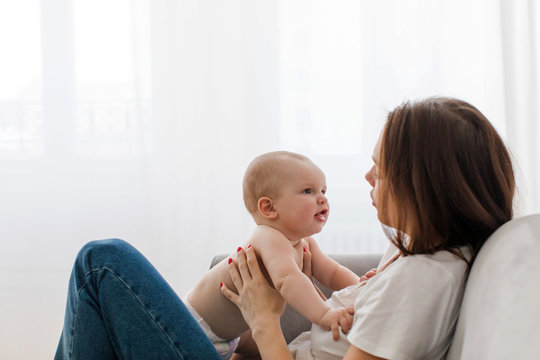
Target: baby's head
[(286, 190)]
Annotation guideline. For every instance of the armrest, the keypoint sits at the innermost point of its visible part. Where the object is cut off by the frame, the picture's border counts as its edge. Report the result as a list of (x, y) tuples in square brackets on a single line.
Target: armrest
[(292, 323)]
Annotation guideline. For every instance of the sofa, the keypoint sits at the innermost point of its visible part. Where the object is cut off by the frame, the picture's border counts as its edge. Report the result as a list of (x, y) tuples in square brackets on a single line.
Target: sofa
[(500, 312)]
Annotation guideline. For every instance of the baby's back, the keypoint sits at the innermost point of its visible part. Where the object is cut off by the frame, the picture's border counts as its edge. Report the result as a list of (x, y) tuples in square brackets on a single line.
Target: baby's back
[(222, 316)]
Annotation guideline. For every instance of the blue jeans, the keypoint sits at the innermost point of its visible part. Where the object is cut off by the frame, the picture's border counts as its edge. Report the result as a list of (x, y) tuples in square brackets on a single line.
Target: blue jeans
[(120, 307)]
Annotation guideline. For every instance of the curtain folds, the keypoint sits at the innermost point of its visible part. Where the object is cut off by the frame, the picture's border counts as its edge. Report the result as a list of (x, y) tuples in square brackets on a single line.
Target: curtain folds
[(141, 128), (520, 39)]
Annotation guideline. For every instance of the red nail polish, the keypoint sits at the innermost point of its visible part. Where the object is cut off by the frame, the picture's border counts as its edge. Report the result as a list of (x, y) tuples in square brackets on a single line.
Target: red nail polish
[(239, 248), (220, 284), (304, 249), (230, 260), (249, 246)]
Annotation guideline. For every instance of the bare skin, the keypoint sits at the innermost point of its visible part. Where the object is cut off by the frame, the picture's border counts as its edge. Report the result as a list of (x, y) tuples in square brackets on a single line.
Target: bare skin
[(285, 225), (257, 302), (260, 306), (282, 266)]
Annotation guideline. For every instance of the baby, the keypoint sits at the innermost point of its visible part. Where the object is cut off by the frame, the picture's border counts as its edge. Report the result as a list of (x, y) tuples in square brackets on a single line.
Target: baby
[(285, 194)]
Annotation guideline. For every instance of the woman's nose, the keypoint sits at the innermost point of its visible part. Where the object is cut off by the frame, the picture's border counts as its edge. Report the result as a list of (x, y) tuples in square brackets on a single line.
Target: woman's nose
[(370, 176)]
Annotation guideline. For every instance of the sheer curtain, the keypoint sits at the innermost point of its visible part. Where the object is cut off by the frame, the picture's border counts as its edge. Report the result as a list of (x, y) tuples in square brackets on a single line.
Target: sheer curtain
[(136, 119), (520, 52)]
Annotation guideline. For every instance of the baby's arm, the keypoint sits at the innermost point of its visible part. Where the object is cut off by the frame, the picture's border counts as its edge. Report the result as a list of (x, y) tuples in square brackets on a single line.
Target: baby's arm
[(328, 271), (278, 258)]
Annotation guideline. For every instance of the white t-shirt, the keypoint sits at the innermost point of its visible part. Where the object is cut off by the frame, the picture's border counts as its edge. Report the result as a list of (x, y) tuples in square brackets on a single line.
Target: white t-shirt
[(407, 311)]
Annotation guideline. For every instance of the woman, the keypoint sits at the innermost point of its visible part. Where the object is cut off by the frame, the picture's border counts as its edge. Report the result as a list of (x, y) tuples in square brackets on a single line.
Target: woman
[(442, 179)]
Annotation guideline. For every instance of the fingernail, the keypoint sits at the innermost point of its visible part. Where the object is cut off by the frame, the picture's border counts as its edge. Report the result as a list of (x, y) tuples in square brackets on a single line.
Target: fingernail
[(220, 284), (230, 260), (239, 248), (304, 249), (249, 246)]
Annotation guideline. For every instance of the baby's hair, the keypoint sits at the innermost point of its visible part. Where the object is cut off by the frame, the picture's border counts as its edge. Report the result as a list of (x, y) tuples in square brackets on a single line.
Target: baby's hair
[(448, 174), (263, 175)]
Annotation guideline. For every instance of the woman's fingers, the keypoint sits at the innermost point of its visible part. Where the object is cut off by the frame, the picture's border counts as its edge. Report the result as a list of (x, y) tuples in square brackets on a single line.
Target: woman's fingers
[(230, 294), (245, 268), (242, 264), (306, 268), (238, 281), (253, 264), (256, 299)]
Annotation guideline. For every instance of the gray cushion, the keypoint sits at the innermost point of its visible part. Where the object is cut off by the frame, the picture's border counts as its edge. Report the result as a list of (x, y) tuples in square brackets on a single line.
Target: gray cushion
[(292, 322)]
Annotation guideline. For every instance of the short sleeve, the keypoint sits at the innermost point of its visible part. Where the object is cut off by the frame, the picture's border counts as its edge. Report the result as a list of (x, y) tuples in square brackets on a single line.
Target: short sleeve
[(410, 311)]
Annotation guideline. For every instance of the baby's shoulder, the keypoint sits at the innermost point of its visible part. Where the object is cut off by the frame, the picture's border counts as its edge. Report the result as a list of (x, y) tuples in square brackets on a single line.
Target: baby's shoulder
[(265, 232), (266, 237)]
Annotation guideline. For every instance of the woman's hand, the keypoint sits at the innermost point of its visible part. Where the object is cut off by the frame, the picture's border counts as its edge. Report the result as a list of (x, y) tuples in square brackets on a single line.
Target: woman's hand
[(256, 299), (306, 265), (260, 304), (306, 269)]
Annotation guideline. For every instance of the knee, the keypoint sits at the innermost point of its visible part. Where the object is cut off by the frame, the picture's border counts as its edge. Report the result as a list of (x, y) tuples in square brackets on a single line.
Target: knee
[(103, 251), (107, 245)]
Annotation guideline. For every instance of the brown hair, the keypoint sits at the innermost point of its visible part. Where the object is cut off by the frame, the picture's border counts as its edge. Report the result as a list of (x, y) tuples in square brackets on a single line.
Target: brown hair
[(449, 171), (262, 177)]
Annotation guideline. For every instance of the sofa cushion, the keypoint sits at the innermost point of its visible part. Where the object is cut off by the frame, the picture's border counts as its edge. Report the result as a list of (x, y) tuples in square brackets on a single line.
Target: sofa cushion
[(500, 313)]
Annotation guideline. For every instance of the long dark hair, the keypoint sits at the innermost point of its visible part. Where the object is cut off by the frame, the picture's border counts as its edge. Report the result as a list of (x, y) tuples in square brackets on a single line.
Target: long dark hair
[(445, 165)]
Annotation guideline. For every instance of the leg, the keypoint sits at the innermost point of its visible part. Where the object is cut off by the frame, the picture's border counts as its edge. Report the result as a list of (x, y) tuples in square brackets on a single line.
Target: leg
[(119, 306)]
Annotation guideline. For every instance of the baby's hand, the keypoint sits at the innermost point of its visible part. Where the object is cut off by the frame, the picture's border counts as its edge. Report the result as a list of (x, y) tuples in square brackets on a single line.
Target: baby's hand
[(371, 273), (336, 317)]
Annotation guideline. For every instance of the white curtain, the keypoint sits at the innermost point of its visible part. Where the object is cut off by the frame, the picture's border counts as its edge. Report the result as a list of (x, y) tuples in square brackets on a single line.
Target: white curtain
[(520, 53), (136, 119)]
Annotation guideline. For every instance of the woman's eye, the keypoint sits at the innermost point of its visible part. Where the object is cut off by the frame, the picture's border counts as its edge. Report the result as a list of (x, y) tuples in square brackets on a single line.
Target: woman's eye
[(307, 191)]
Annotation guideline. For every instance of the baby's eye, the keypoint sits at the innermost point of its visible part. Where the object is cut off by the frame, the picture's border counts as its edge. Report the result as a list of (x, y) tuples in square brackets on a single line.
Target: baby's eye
[(307, 191)]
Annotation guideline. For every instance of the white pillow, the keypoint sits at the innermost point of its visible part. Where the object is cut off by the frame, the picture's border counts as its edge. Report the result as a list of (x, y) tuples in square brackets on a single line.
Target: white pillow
[(500, 313)]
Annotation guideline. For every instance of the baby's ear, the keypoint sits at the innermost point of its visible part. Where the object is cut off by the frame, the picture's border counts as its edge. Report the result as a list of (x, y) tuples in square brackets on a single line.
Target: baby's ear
[(266, 208)]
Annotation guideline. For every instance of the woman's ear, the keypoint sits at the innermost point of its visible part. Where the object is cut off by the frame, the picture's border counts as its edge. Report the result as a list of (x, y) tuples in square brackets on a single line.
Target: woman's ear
[(266, 208)]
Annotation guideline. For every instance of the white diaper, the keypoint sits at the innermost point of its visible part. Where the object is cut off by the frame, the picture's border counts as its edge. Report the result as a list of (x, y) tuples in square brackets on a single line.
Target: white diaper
[(225, 348)]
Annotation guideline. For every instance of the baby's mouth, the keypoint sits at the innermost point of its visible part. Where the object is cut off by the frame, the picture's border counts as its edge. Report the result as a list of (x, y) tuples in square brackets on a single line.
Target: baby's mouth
[(321, 216)]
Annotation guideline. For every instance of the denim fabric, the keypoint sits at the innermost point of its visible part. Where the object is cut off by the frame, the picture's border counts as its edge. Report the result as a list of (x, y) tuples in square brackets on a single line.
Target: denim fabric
[(120, 307)]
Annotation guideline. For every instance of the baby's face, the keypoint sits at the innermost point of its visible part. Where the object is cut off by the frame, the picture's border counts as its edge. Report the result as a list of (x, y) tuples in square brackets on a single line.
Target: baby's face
[(302, 205)]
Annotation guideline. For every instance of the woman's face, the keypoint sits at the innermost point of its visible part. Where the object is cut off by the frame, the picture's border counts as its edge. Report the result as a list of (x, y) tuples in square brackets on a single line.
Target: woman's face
[(372, 177)]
